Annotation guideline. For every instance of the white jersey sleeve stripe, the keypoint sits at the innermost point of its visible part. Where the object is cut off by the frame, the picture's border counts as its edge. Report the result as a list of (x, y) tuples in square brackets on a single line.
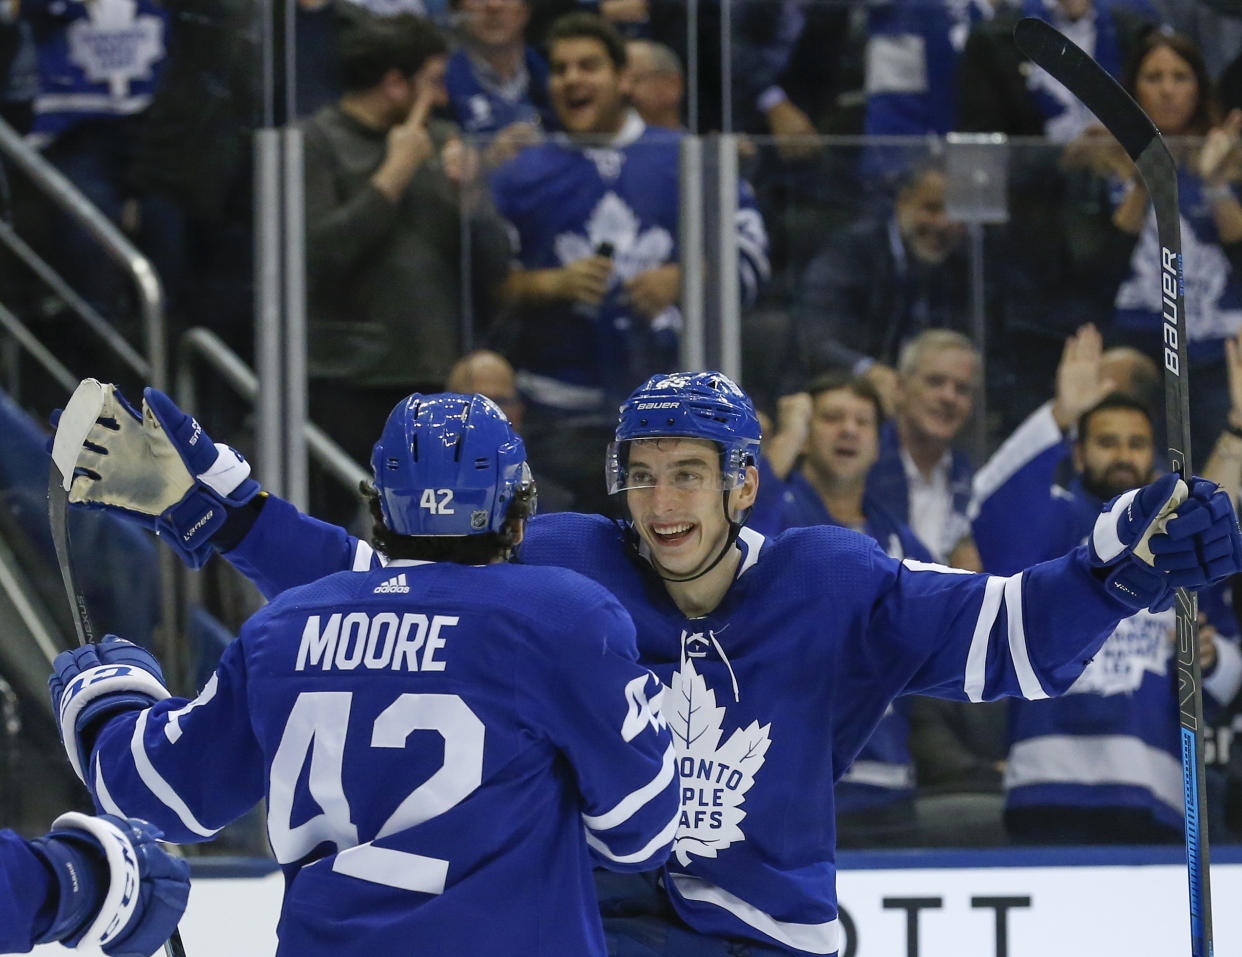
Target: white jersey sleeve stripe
[(658, 843), (156, 783), (172, 730), (1028, 681), (363, 556), (1035, 435), (632, 802), (977, 657), (103, 795), (822, 938)]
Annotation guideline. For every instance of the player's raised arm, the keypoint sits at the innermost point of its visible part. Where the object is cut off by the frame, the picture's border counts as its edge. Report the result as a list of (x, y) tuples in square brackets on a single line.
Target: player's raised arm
[(159, 468), (93, 884), (1030, 634)]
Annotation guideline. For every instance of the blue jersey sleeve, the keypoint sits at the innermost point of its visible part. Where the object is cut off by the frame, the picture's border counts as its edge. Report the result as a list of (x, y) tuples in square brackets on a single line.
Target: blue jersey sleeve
[(285, 548), (1016, 517), (25, 888), (1027, 635), (605, 715), (188, 767)]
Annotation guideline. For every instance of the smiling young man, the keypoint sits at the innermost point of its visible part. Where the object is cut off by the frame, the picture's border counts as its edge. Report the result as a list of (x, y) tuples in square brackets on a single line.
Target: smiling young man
[(596, 282), (779, 655)]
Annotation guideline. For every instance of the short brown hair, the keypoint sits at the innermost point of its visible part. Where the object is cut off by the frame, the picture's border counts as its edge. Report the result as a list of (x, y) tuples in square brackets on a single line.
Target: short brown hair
[(836, 380), (591, 26)]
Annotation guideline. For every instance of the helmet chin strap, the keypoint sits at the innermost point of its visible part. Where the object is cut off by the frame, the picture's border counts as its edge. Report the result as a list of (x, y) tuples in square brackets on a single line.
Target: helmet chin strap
[(735, 528)]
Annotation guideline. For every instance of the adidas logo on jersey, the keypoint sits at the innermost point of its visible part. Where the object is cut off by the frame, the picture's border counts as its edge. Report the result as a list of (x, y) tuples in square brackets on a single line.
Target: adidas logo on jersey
[(393, 586)]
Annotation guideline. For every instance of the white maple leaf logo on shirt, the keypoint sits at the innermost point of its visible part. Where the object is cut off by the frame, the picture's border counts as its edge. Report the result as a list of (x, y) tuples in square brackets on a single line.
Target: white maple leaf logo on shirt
[(116, 44), (714, 777), (612, 221)]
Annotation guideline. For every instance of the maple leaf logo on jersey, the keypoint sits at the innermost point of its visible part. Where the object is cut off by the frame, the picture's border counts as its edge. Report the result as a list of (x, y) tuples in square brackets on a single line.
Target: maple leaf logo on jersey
[(116, 44), (612, 221), (714, 777)]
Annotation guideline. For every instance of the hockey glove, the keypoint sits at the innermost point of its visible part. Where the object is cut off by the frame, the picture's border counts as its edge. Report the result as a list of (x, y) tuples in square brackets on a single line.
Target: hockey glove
[(99, 862), (1153, 540), (94, 683), (158, 468), (1201, 544)]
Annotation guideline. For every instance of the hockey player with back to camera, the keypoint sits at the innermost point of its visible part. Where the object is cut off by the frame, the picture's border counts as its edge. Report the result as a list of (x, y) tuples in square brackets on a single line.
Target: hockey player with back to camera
[(445, 742), (749, 634)]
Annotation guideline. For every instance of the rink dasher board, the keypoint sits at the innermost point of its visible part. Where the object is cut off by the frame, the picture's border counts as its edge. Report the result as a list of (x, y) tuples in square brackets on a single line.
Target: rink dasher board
[(1091, 902)]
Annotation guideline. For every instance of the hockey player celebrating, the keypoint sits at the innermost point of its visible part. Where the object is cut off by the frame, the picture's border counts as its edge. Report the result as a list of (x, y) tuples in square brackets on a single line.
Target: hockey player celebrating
[(76, 885), (444, 741), (780, 654)]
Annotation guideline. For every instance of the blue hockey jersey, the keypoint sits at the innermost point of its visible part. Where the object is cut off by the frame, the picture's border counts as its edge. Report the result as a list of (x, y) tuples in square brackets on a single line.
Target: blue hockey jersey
[(100, 58), (25, 883), (883, 772), (564, 200), (482, 104), (774, 692), (443, 750), (1112, 741)]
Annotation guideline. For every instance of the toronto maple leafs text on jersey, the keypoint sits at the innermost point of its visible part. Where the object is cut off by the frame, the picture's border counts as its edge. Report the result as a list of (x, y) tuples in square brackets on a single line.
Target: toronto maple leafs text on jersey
[(773, 693), (443, 749)]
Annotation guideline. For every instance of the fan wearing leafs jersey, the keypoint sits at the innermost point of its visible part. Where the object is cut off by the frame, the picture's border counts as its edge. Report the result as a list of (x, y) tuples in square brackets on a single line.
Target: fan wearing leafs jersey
[(780, 654), (444, 742)]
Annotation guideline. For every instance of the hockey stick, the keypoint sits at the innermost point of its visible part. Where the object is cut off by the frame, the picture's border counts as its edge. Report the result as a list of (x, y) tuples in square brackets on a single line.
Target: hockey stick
[(76, 421), (1140, 138)]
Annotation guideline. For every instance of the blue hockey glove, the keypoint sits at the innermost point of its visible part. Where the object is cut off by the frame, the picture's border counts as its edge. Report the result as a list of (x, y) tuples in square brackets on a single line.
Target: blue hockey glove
[(1201, 544), (1164, 536), (118, 890), (93, 683), (158, 468)]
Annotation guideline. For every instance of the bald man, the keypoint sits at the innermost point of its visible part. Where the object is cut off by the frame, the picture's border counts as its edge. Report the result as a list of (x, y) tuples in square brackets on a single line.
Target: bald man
[(489, 373), (657, 83)]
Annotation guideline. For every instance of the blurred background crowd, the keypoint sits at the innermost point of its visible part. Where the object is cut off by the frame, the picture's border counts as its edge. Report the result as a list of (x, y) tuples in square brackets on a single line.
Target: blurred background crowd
[(932, 268)]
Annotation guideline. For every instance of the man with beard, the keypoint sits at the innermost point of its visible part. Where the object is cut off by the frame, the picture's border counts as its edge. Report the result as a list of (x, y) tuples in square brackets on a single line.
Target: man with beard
[(1101, 764)]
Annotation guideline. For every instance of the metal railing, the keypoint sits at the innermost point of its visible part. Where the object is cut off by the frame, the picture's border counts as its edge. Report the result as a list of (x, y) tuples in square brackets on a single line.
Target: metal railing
[(71, 200)]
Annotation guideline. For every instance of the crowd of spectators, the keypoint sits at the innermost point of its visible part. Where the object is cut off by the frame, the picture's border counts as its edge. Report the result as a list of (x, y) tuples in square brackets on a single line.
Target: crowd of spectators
[(505, 174)]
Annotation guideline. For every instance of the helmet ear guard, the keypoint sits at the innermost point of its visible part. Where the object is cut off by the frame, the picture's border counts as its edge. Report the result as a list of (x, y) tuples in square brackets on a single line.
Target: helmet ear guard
[(447, 465)]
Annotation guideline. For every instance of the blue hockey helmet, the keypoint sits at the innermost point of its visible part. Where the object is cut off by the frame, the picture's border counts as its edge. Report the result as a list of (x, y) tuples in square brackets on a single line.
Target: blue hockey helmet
[(700, 405), (447, 464)]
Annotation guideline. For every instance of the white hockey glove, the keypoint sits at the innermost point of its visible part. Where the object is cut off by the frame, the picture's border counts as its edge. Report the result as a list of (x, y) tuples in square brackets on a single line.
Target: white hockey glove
[(118, 891), (158, 468), (1153, 540)]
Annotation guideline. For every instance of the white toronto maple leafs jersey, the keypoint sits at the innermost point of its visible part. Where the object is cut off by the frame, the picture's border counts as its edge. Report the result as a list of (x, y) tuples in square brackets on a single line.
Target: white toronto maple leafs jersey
[(443, 749), (773, 693)]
